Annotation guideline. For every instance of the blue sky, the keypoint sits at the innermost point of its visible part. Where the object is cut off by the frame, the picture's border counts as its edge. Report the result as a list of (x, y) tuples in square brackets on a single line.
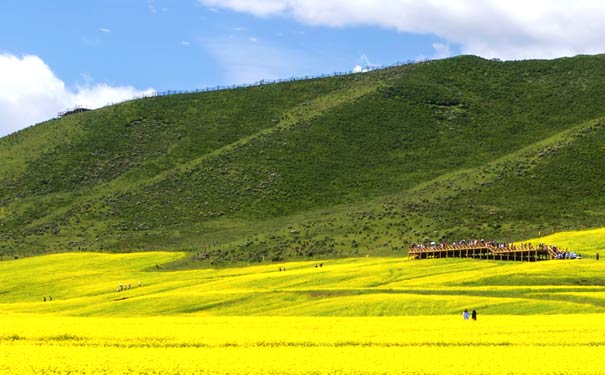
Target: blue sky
[(59, 54)]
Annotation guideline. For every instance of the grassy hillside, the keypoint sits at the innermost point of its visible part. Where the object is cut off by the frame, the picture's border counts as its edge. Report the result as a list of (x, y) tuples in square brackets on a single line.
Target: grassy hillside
[(85, 284), (343, 166)]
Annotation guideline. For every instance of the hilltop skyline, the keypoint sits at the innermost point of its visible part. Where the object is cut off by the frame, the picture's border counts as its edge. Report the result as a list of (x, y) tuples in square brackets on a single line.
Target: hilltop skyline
[(54, 56)]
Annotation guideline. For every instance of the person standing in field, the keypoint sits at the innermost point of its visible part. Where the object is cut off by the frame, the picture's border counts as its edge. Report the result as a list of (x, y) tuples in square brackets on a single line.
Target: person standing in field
[(465, 314), (474, 315)]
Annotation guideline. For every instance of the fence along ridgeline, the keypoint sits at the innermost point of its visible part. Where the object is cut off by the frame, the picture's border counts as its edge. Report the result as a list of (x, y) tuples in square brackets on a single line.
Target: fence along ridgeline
[(254, 84)]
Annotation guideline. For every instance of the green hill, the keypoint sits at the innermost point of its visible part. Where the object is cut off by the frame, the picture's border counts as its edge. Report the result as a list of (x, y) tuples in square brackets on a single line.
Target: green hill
[(349, 165)]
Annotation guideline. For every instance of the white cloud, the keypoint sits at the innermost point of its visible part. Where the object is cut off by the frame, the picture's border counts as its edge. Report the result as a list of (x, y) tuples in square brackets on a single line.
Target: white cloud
[(184, 43), (30, 93), (509, 29), (364, 65), (102, 94), (104, 30), (359, 69)]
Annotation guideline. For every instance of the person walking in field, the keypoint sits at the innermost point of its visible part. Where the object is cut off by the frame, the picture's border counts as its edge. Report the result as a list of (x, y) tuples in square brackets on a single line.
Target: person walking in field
[(474, 315), (465, 314)]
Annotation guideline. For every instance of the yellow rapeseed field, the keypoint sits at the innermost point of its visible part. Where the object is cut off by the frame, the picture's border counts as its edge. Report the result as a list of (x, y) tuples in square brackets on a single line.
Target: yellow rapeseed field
[(559, 344), (350, 316)]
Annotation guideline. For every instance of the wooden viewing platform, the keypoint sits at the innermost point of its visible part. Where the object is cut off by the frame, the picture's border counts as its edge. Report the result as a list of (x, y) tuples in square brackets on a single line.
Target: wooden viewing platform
[(483, 251)]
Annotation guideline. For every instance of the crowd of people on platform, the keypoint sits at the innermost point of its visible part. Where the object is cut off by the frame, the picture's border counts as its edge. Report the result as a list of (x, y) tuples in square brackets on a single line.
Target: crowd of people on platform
[(463, 244), (466, 244)]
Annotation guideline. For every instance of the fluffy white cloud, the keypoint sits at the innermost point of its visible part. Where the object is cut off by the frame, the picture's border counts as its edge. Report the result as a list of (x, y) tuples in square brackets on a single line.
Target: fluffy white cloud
[(30, 93), (511, 29)]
